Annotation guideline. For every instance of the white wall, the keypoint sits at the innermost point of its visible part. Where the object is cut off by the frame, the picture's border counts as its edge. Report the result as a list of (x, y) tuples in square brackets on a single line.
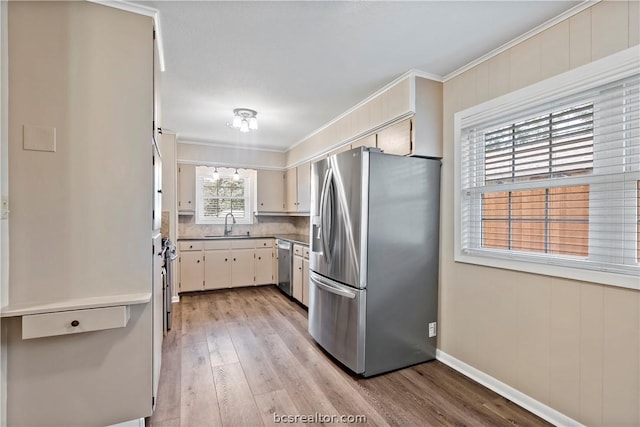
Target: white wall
[(574, 346)]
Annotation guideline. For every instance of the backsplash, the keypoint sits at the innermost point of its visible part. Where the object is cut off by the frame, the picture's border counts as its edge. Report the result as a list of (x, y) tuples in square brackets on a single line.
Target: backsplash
[(263, 225)]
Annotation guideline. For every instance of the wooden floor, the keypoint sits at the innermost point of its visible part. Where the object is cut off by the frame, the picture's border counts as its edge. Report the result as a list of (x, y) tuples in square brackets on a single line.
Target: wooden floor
[(236, 357)]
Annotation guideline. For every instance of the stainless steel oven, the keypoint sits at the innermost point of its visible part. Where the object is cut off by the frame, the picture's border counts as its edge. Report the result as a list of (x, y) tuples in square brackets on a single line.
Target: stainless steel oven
[(284, 265)]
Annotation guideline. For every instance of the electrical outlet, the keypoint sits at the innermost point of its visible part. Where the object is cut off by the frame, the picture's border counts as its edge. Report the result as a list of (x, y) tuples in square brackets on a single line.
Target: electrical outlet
[(432, 329)]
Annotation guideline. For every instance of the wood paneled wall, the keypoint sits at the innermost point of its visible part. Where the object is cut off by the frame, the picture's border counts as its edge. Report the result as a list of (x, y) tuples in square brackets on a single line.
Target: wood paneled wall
[(574, 346)]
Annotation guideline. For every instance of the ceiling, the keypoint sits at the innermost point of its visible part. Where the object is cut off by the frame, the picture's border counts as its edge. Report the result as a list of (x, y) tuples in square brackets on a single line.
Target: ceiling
[(301, 64)]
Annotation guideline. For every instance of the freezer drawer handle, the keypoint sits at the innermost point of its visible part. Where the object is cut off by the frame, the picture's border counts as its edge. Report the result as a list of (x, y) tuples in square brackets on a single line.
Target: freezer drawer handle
[(330, 288)]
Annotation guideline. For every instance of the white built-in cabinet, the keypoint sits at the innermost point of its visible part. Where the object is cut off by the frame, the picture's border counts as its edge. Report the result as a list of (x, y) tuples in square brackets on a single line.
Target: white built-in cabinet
[(298, 188), (404, 119), (186, 189), (300, 274), (270, 191), (230, 263)]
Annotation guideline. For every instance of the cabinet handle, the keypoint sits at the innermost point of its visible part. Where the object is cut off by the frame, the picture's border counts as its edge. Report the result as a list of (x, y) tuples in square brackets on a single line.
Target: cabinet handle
[(259, 258), (189, 202), (225, 260), (198, 261), (190, 246), (234, 259), (75, 323)]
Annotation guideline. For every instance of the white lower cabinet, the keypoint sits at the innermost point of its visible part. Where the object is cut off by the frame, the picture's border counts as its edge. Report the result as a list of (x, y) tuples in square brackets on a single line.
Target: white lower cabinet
[(217, 269), (220, 264), (191, 271), (300, 274), (242, 267), (264, 266), (296, 278), (305, 282)]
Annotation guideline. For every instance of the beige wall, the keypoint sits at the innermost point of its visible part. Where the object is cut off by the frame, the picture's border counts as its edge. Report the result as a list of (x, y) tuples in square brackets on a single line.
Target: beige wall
[(80, 216), (571, 345), (240, 157)]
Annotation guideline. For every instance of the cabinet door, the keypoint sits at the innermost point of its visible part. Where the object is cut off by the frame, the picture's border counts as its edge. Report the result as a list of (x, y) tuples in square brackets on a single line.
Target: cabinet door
[(264, 266), (292, 190), (305, 282), (191, 271), (304, 187), (270, 191), (242, 267), (367, 141), (296, 280), (217, 269), (186, 187), (396, 139)]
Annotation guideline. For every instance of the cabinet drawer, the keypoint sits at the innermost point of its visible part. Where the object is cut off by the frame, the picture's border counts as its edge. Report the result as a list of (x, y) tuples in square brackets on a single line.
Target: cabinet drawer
[(243, 244), (217, 244), (305, 252), (297, 250), (190, 246), (263, 243), (62, 323)]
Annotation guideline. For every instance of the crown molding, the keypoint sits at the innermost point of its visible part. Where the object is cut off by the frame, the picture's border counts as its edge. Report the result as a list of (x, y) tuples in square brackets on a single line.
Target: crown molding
[(140, 10), (537, 30)]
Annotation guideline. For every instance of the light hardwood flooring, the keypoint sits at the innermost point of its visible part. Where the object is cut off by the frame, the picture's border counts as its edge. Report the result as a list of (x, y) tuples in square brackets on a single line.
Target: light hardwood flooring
[(236, 357)]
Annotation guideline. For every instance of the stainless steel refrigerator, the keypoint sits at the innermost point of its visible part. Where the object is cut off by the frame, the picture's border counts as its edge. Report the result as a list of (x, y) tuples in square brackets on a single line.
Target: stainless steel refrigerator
[(373, 280)]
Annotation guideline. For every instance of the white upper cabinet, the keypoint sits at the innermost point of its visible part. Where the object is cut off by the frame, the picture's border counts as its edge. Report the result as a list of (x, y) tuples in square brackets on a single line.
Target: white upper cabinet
[(270, 191), (186, 189), (298, 186)]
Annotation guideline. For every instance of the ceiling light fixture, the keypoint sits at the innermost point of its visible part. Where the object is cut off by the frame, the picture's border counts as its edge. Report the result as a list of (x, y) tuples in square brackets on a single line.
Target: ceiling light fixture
[(216, 174), (236, 176), (244, 119)]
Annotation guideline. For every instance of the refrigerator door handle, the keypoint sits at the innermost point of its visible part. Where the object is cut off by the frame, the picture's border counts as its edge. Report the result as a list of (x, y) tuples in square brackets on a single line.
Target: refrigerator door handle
[(324, 226), (329, 287)]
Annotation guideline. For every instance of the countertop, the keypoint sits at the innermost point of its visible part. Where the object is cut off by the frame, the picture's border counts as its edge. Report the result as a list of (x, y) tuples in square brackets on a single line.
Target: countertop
[(295, 238)]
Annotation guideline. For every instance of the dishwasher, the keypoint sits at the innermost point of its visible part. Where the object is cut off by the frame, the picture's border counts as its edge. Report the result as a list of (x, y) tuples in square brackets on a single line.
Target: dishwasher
[(284, 266)]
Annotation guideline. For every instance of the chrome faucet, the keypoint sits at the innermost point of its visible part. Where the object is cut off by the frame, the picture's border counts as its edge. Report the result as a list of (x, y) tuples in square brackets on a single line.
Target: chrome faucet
[(226, 217)]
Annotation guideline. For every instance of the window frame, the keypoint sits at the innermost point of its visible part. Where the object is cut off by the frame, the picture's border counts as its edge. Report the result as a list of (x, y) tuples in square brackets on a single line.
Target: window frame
[(606, 70), (225, 173)]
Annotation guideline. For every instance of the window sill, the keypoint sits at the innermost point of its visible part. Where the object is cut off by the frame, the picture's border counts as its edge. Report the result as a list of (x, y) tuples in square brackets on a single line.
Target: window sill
[(629, 281)]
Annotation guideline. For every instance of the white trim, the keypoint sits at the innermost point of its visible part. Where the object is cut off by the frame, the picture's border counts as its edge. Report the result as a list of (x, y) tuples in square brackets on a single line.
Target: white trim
[(529, 403), (140, 10), (531, 33), (597, 73), (175, 299), (425, 75), (205, 143)]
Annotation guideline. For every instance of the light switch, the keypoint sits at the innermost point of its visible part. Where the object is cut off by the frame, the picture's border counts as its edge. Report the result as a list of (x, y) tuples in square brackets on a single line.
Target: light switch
[(39, 138)]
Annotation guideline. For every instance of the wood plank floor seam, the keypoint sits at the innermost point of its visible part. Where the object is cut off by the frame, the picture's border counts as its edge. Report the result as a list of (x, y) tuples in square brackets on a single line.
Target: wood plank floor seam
[(243, 357)]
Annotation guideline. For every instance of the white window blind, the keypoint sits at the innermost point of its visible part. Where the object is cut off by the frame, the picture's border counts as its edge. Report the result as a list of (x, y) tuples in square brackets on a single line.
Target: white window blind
[(218, 196), (556, 182)]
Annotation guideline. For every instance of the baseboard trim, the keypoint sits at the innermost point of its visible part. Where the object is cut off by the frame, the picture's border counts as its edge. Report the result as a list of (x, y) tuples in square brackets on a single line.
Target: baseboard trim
[(530, 404), (175, 299)]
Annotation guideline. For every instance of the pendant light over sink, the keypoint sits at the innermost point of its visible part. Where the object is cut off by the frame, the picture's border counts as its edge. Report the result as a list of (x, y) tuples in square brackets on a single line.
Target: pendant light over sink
[(244, 119)]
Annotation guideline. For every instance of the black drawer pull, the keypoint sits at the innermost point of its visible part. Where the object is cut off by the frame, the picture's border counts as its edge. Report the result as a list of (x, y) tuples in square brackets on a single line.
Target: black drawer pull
[(75, 323)]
